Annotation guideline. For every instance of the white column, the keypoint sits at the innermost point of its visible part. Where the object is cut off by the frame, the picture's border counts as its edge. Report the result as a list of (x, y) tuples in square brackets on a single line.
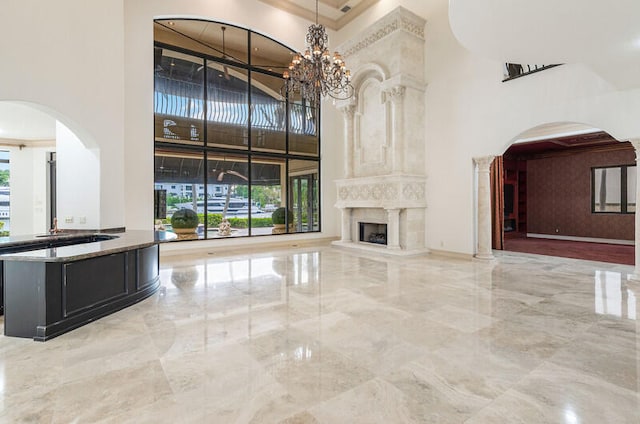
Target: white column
[(346, 225), (396, 96), (636, 271), (348, 114), (393, 229), (483, 250)]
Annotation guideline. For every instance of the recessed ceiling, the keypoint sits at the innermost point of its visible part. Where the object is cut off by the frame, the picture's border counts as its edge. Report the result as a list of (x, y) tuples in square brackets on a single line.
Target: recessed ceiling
[(565, 143), (333, 14), (19, 121)]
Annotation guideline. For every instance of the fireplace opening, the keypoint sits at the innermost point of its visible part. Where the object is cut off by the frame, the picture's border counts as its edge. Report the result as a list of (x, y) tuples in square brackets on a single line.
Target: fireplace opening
[(373, 233)]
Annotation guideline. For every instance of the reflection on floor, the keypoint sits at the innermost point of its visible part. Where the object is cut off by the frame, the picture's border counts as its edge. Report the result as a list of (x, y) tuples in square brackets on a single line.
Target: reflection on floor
[(321, 335), (603, 252)]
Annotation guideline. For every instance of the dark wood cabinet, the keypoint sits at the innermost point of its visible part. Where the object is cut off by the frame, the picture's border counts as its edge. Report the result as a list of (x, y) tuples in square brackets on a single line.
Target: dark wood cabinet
[(515, 195), (45, 299)]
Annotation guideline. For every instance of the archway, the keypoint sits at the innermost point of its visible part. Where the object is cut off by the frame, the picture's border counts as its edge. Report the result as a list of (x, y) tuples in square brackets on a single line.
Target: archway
[(568, 190), (34, 143)]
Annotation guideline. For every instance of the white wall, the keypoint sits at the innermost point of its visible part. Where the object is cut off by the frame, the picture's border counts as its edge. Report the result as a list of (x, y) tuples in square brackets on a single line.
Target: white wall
[(67, 57), (28, 178), (78, 182)]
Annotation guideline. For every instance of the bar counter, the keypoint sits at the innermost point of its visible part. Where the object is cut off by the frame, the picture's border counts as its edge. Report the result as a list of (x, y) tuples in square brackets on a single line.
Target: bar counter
[(53, 284)]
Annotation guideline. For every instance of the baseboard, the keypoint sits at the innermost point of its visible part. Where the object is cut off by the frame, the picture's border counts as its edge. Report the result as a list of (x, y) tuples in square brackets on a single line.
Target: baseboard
[(450, 254), (241, 244), (585, 239)]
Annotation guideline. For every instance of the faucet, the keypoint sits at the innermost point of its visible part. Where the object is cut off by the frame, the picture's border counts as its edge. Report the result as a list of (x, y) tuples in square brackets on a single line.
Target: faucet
[(55, 229)]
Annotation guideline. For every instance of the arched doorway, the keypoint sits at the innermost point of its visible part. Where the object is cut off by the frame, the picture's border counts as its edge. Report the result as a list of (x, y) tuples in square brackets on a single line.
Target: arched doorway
[(567, 190), (27, 190)]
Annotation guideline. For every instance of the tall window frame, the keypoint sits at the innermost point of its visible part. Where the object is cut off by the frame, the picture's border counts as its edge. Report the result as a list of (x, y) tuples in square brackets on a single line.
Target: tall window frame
[(297, 123)]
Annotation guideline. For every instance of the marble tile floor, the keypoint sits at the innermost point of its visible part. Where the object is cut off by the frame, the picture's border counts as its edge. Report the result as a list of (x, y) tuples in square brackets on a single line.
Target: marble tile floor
[(316, 334)]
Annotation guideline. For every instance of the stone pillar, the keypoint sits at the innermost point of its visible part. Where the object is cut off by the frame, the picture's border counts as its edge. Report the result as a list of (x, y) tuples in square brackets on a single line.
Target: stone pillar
[(393, 229), (396, 96), (346, 225), (348, 114), (636, 270), (483, 250)]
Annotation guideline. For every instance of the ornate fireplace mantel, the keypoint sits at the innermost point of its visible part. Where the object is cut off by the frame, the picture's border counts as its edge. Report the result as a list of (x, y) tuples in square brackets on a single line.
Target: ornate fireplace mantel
[(386, 192), (384, 135)]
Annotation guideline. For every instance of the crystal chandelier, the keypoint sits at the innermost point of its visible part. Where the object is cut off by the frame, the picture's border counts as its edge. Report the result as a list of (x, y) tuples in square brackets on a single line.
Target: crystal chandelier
[(315, 73)]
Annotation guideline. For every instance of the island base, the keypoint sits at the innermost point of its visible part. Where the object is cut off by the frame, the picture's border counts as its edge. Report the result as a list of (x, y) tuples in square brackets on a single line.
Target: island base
[(46, 299)]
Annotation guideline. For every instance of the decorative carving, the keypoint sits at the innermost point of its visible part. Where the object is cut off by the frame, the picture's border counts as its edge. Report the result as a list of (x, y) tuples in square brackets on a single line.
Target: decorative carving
[(483, 162), (348, 111), (390, 192), (376, 192), (414, 191), (399, 19), (383, 192), (395, 94)]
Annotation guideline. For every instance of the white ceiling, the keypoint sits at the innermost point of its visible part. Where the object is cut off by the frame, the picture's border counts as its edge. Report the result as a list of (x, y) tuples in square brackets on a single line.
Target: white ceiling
[(602, 34), (330, 12), (19, 121)]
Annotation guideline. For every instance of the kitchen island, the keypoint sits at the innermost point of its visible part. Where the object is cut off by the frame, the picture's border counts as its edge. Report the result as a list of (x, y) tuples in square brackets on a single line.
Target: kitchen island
[(53, 284)]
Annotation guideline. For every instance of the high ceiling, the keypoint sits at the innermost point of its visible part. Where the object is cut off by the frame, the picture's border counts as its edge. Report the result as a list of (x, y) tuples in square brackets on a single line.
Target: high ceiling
[(604, 35), (333, 14)]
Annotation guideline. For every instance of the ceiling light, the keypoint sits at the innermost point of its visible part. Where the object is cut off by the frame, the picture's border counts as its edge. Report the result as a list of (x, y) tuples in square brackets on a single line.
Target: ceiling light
[(315, 73), (171, 23)]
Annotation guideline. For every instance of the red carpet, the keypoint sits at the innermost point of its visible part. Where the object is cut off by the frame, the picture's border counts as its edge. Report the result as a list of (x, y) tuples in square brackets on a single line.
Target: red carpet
[(614, 253)]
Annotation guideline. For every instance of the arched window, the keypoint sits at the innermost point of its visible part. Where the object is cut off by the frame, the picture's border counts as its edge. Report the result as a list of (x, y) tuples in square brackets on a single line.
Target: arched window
[(229, 143)]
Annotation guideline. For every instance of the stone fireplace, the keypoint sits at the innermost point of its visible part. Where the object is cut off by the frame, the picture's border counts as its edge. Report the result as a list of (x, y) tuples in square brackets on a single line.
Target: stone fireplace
[(384, 167)]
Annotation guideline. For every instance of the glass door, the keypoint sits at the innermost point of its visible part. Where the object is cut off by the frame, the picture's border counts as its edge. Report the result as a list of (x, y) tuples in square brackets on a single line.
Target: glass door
[(304, 193)]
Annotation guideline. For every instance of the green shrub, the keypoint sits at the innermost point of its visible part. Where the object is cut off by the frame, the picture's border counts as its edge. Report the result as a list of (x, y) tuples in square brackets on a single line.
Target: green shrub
[(184, 218), (214, 220), (238, 222), (278, 216), (261, 222)]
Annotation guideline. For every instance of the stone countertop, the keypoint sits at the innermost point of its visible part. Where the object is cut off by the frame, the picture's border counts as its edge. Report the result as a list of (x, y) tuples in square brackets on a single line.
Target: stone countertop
[(124, 241)]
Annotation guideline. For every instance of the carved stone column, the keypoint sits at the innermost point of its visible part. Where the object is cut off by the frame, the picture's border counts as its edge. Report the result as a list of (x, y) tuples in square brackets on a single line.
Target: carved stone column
[(346, 225), (348, 114), (636, 271), (393, 229), (483, 250), (396, 96)]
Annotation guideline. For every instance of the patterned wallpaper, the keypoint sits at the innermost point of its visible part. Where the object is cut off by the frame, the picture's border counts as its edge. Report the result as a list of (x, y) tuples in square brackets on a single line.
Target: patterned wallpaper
[(559, 196)]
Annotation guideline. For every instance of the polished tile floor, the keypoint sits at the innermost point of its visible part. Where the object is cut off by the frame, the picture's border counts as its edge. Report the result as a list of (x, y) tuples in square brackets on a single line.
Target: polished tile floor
[(315, 334)]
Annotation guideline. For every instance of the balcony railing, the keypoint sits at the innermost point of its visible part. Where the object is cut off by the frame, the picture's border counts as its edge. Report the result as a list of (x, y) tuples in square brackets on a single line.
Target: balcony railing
[(517, 70)]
